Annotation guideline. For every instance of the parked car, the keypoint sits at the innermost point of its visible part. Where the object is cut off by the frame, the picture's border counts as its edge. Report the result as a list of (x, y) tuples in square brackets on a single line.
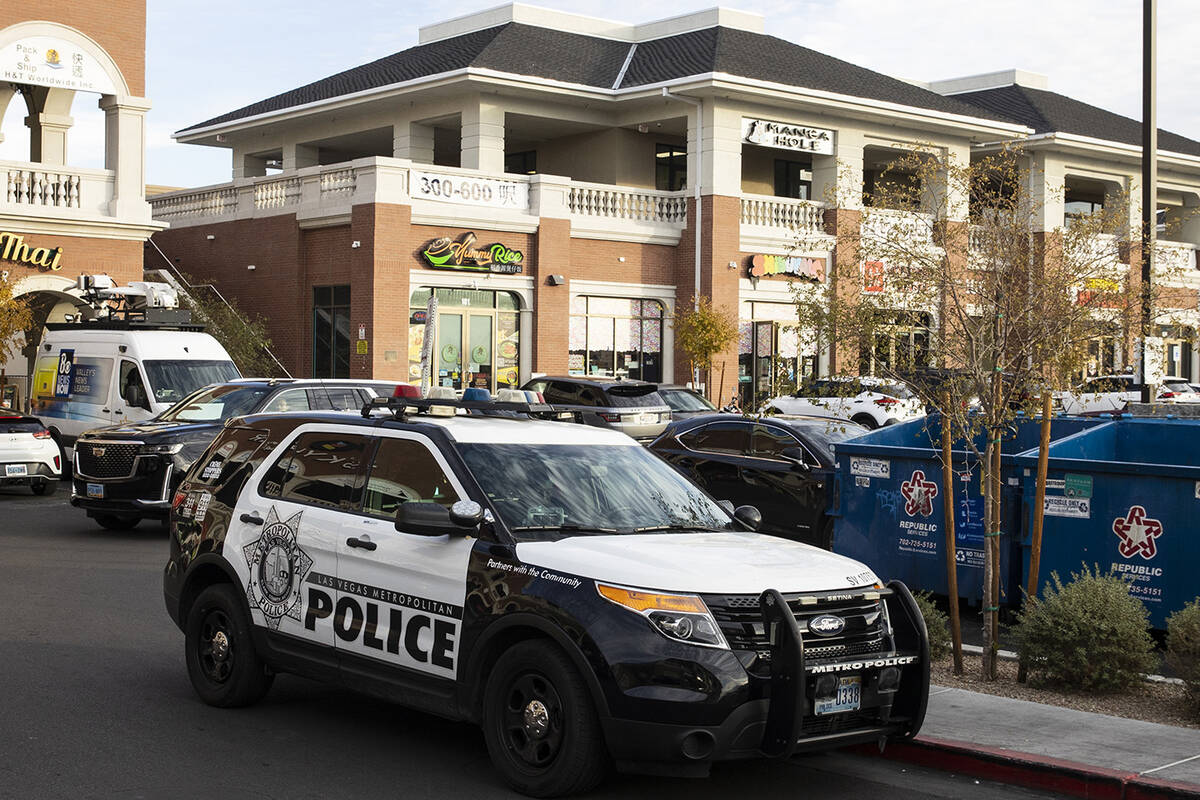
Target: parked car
[(1109, 393), (29, 455), (870, 402), (96, 374), (631, 407), (127, 473), (685, 402), (558, 585), (781, 465)]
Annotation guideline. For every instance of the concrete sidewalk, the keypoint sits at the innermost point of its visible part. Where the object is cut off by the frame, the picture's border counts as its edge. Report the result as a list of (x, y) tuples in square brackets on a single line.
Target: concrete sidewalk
[(1078, 753)]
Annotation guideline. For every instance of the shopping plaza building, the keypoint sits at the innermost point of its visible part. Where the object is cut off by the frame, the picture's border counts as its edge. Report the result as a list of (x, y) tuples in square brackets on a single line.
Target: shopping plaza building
[(60, 61), (562, 184)]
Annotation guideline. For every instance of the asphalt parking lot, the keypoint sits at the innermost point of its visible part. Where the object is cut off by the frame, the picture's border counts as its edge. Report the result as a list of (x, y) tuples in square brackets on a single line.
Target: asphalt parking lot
[(97, 703)]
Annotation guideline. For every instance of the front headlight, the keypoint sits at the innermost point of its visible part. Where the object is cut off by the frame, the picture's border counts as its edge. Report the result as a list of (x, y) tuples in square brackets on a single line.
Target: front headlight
[(160, 449), (682, 617)]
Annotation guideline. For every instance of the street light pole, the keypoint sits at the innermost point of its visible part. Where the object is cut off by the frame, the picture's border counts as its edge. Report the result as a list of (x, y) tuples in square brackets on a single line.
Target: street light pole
[(1149, 175)]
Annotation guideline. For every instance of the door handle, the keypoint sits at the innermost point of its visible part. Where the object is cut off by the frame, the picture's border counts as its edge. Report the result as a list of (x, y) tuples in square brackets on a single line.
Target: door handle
[(106, 410), (251, 519), (364, 542)]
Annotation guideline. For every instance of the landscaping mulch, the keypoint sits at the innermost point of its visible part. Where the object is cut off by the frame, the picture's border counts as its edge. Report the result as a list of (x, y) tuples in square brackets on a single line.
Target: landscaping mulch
[(1151, 701)]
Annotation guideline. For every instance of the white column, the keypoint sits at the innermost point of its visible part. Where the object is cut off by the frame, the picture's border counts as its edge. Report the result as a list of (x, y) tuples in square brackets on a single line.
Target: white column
[(7, 92), (548, 196), (953, 195), (483, 135), (48, 138), (246, 165), (299, 156), (125, 154), (721, 151), (413, 141), (838, 178), (1047, 183)]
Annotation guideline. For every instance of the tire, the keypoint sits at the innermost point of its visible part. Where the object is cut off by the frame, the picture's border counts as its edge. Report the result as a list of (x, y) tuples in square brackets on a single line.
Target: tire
[(225, 669), (540, 725), (866, 420), (44, 487), (115, 522)]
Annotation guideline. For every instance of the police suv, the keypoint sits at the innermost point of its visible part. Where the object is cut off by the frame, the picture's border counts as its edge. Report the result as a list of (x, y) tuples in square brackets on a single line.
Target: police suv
[(557, 584)]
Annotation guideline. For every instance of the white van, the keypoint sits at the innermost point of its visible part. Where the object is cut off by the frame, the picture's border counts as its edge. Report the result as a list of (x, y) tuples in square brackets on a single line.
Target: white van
[(90, 375)]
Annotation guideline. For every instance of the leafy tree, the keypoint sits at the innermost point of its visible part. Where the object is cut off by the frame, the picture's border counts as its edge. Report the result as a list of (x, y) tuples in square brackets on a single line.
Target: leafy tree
[(15, 318), (243, 334), (1011, 309), (702, 331)]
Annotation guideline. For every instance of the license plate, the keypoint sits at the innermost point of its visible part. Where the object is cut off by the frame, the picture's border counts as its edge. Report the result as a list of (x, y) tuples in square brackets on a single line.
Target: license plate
[(646, 419), (848, 697), (15, 470), (95, 490)]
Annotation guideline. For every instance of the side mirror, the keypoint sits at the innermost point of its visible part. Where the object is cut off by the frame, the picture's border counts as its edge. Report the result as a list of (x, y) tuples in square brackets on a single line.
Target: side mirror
[(431, 519), (796, 456), (748, 516)]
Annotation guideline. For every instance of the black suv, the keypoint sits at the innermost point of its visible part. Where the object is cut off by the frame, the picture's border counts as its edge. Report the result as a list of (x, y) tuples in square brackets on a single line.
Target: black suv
[(559, 585), (129, 472), (631, 407)]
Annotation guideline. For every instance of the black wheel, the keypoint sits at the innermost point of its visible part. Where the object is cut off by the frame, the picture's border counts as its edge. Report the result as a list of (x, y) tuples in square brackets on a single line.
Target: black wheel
[(43, 487), (115, 522), (541, 728), (866, 420), (221, 660)]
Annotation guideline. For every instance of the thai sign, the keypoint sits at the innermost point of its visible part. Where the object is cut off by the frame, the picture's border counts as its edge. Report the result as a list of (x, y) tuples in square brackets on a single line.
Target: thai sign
[(766, 133), (445, 253), (800, 267), (47, 61), (495, 192), (13, 248)]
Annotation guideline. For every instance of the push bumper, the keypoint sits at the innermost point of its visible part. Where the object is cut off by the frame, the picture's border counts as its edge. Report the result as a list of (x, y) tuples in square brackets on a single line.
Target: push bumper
[(894, 694)]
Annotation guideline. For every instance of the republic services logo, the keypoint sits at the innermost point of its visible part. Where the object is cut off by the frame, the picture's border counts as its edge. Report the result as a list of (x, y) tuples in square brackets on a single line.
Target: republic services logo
[(918, 494), (1137, 533), (277, 569)]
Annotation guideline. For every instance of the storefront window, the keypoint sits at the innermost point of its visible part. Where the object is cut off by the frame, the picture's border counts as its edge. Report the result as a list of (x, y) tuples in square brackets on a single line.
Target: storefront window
[(616, 337), (331, 332), (476, 342), (898, 348), (771, 357)]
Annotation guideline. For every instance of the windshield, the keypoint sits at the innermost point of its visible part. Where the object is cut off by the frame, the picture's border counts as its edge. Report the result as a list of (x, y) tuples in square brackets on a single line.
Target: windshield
[(565, 489), (217, 403), (636, 396), (680, 400), (172, 381)]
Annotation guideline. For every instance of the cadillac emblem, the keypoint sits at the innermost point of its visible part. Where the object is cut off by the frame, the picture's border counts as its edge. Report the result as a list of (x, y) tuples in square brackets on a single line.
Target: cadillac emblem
[(98, 452)]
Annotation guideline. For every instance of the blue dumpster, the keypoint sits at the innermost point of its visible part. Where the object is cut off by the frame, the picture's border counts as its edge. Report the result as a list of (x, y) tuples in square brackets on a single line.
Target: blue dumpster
[(888, 510), (1124, 495)]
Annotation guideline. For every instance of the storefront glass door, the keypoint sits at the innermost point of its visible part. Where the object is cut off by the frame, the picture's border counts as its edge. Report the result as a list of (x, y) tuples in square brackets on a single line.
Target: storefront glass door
[(476, 343)]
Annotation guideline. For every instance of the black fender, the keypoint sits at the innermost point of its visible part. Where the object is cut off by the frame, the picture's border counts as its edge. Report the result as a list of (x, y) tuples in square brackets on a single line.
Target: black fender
[(911, 635), (470, 690), (196, 579)]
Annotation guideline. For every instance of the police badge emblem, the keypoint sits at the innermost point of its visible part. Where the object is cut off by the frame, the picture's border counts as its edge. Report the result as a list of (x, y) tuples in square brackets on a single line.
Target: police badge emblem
[(277, 569)]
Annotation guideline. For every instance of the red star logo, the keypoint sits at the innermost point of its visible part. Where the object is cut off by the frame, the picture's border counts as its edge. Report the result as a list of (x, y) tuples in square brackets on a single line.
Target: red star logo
[(1137, 533), (918, 494)]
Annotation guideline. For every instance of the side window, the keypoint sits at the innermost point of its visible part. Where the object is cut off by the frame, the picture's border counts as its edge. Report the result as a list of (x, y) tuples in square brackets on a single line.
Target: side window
[(720, 437), (132, 387), (405, 471), (770, 442), (343, 398), (562, 393), (288, 400), (321, 469)]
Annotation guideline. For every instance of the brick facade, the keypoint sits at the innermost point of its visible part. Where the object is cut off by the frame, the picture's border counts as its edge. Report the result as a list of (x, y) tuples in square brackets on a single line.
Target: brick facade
[(119, 258)]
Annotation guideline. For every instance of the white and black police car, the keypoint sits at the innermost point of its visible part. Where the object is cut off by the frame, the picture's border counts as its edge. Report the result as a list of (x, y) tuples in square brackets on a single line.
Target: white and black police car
[(557, 584)]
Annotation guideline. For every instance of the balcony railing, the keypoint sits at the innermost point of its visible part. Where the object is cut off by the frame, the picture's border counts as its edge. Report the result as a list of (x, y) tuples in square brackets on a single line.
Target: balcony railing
[(34, 189), (619, 203), (805, 217)]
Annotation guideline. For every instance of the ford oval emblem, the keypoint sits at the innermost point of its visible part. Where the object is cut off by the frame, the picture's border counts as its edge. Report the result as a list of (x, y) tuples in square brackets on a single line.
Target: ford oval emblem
[(826, 625)]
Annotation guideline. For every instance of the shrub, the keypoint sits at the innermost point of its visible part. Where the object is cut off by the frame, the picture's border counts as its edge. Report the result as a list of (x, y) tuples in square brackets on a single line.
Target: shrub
[(1088, 635), (938, 624), (1183, 648)]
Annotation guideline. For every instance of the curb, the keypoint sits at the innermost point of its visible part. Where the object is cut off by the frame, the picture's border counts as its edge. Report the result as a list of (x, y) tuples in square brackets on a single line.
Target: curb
[(1031, 771)]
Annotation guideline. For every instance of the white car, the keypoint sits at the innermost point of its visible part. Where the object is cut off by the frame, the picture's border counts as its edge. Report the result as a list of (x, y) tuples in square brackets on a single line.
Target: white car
[(1114, 392), (871, 402), (29, 456)]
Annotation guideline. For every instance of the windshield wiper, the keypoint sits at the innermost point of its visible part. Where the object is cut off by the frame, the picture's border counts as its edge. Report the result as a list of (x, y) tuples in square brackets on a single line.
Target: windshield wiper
[(568, 527), (678, 527)]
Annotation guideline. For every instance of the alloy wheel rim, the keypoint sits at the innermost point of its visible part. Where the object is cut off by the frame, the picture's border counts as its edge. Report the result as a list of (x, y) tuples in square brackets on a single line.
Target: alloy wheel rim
[(532, 722), (216, 648)]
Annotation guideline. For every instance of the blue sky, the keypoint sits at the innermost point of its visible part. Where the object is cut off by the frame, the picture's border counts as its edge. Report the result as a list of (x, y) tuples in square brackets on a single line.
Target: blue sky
[(204, 59)]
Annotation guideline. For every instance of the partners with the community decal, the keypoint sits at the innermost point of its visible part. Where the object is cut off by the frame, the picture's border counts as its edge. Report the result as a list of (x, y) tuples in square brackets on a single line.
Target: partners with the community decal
[(277, 569)]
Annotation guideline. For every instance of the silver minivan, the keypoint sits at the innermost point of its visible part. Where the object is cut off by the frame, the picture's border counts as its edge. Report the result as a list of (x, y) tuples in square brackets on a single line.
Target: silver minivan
[(632, 407)]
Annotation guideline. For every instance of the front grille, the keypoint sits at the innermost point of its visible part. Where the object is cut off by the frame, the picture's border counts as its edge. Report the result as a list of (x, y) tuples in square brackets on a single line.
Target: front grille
[(105, 459), (741, 621), (835, 723)]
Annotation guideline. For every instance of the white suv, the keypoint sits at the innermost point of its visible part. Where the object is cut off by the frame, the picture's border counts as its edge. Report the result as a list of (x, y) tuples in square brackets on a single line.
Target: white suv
[(557, 584), (871, 402), (29, 456)]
